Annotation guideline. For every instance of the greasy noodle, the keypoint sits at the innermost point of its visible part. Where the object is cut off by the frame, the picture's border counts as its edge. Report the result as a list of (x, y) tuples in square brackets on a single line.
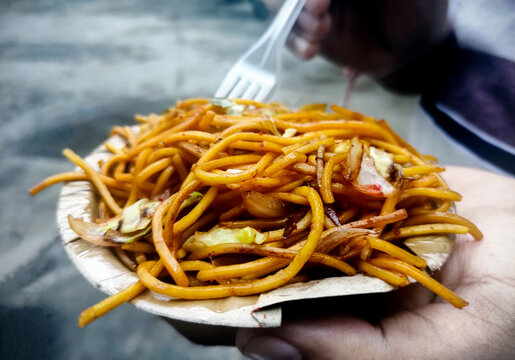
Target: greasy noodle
[(217, 198)]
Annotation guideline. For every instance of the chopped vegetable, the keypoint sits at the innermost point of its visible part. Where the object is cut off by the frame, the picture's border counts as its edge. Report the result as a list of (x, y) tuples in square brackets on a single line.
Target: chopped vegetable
[(289, 132), (218, 235), (222, 102), (137, 216), (342, 147), (334, 237), (331, 214), (263, 206), (370, 182), (383, 161), (194, 197), (132, 224), (102, 234), (236, 110), (230, 107), (269, 124), (354, 159), (113, 224)]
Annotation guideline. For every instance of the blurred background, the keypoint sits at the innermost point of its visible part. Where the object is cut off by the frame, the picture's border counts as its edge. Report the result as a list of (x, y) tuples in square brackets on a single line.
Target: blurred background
[(69, 71)]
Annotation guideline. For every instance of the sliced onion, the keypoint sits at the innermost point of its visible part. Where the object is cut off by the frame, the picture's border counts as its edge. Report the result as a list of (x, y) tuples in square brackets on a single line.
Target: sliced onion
[(291, 223), (264, 206), (91, 232), (101, 234), (331, 214), (269, 124), (354, 159), (335, 236)]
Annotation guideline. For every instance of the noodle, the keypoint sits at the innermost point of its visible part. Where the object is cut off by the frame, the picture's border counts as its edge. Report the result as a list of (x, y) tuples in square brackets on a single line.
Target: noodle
[(268, 188)]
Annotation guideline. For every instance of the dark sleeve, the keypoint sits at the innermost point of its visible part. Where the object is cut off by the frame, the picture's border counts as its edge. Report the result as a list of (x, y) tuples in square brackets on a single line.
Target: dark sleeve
[(469, 94)]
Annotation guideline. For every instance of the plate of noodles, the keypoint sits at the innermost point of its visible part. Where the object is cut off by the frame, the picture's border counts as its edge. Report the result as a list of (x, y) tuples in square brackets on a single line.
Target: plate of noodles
[(217, 210)]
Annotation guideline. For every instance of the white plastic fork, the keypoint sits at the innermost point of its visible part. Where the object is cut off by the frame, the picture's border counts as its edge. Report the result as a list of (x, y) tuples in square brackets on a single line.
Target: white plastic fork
[(255, 74)]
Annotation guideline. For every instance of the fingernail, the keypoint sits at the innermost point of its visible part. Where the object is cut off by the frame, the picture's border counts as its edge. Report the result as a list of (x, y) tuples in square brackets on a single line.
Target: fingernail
[(303, 48), (268, 348), (300, 45)]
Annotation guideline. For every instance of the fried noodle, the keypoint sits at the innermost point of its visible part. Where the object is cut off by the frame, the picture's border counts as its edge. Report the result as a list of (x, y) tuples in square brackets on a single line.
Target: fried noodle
[(273, 173)]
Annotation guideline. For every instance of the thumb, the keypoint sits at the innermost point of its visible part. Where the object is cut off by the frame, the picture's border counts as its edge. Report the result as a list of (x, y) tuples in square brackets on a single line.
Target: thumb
[(343, 337), (425, 332)]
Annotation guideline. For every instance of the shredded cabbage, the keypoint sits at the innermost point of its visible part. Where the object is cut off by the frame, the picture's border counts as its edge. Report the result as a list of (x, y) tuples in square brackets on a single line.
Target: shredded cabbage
[(218, 235)]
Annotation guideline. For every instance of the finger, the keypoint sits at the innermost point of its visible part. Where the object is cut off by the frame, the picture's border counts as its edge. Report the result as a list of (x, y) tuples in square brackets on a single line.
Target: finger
[(265, 347), (302, 47), (317, 7), (328, 338), (313, 28), (326, 318), (405, 335)]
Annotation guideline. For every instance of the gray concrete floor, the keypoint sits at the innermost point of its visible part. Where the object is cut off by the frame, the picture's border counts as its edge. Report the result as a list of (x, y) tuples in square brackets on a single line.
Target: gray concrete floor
[(71, 69)]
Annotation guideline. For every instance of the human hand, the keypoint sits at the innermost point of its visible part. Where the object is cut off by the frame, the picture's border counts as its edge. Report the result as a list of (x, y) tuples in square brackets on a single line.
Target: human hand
[(375, 37), (411, 323)]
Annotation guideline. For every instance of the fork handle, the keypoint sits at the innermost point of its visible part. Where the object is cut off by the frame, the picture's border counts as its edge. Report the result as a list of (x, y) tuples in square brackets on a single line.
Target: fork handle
[(283, 22)]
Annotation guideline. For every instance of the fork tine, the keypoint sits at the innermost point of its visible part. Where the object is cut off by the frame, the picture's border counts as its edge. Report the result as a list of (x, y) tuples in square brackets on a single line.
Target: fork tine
[(255, 73), (263, 93), (227, 85), (251, 91), (240, 87)]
